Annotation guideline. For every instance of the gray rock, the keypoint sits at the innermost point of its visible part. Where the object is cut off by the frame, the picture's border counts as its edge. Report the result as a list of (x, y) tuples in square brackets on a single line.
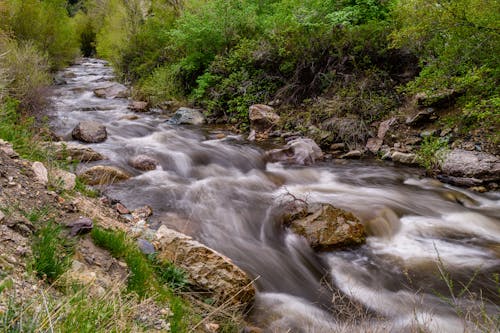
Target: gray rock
[(144, 163), (90, 132), (471, 164), (326, 227), (404, 158), (302, 151), (103, 175), (374, 144), (384, 127), (262, 117), (187, 116), (421, 117), (80, 226), (115, 90), (65, 179), (145, 246), (63, 150), (6, 147), (41, 173)]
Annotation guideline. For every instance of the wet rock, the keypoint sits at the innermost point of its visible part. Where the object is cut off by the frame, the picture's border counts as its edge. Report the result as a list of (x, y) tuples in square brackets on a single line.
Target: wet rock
[(63, 150), (144, 163), (80, 226), (115, 90), (206, 269), (142, 213), (64, 179), (41, 173), (262, 117), (103, 175), (421, 117), (138, 106), (471, 164), (326, 227), (404, 158), (90, 132), (187, 116), (145, 246), (353, 154), (302, 151)]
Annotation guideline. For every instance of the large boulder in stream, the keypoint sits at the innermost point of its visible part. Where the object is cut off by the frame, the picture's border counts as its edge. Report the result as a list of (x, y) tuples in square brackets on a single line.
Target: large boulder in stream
[(471, 164), (90, 132), (187, 116), (301, 151), (115, 90), (326, 227), (206, 269), (103, 175)]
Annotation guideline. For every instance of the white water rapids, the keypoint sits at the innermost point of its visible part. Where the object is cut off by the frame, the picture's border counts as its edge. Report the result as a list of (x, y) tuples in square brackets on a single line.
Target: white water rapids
[(223, 193)]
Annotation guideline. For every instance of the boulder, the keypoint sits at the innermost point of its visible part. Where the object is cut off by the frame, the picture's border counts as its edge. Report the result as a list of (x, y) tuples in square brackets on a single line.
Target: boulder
[(206, 269), (471, 164), (144, 163), (187, 116), (384, 127), (262, 117), (326, 227), (301, 151), (80, 226), (374, 145), (63, 178), (423, 116), (115, 90), (404, 158), (103, 174), (90, 132), (138, 106), (63, 150), (6, 147), (41, 173)]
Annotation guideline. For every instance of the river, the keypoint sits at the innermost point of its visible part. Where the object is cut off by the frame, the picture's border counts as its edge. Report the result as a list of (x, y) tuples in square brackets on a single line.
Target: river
[(218, 189)]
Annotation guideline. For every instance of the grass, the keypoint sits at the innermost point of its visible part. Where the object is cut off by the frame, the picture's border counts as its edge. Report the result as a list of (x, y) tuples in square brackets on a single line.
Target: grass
[(432, 152), (51, 252)]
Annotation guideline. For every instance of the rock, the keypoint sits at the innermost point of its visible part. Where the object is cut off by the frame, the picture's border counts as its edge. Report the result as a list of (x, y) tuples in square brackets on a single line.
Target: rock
[(142, 213), (6, 147), (121, 209), (145, 246), (63, 150), (421, 117), (115, 90), (326, 227), (352, 154), (130, 117), (441, 99), (65, 179), (374, 144), (187, 116), (478, 189), (384, 127), (138, 106), (252, 135), (2, 216), (404, 158), (262, 117), (80, 226), (471, 164), (144, 163), (301, 151), (206, 268), (41, 173), (90, 132), (337, 146), (103, 174)]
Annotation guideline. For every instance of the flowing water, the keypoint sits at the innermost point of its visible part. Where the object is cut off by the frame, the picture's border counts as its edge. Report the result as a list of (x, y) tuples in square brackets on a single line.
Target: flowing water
[(220, 191)]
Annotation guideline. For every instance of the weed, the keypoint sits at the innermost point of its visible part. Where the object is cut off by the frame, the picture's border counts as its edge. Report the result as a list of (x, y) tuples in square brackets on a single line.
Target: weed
[(432, 152), (167, 273), (51, 252)]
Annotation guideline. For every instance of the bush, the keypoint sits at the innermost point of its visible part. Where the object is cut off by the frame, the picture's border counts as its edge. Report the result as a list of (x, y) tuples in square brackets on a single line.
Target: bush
[(432, 152)]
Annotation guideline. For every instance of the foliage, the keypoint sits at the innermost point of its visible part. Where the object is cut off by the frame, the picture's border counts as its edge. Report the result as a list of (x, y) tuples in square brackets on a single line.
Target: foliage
[(432, 152), (168, 274), (51, 252)]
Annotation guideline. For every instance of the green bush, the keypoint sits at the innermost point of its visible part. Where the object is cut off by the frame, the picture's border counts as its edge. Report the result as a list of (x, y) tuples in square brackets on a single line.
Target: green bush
[(432, 152)]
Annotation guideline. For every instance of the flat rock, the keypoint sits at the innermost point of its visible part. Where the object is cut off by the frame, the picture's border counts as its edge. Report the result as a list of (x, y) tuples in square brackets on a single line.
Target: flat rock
[(262, 117), (115, 90), (326, 227), (187, 116), (82, 153), (303, 151), (353, 154), (103, 175), (207, 269), (144, 163), (90, 132), (471, 164)]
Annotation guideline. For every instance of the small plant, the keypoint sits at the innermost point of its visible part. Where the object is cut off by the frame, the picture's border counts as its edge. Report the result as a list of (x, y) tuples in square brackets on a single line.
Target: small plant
[(51, 252), (167, 273), (432, 152)]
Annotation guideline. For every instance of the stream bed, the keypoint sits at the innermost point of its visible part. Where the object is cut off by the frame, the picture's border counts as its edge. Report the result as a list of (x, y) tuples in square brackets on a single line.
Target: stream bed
[(218, 189)]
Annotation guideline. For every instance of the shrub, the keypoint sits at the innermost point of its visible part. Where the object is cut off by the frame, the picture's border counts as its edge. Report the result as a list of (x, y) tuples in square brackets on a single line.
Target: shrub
[(432, 152)]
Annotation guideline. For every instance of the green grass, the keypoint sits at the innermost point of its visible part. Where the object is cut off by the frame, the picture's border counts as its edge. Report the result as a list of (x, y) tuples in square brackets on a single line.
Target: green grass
[(432, 152), (51, 252)]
